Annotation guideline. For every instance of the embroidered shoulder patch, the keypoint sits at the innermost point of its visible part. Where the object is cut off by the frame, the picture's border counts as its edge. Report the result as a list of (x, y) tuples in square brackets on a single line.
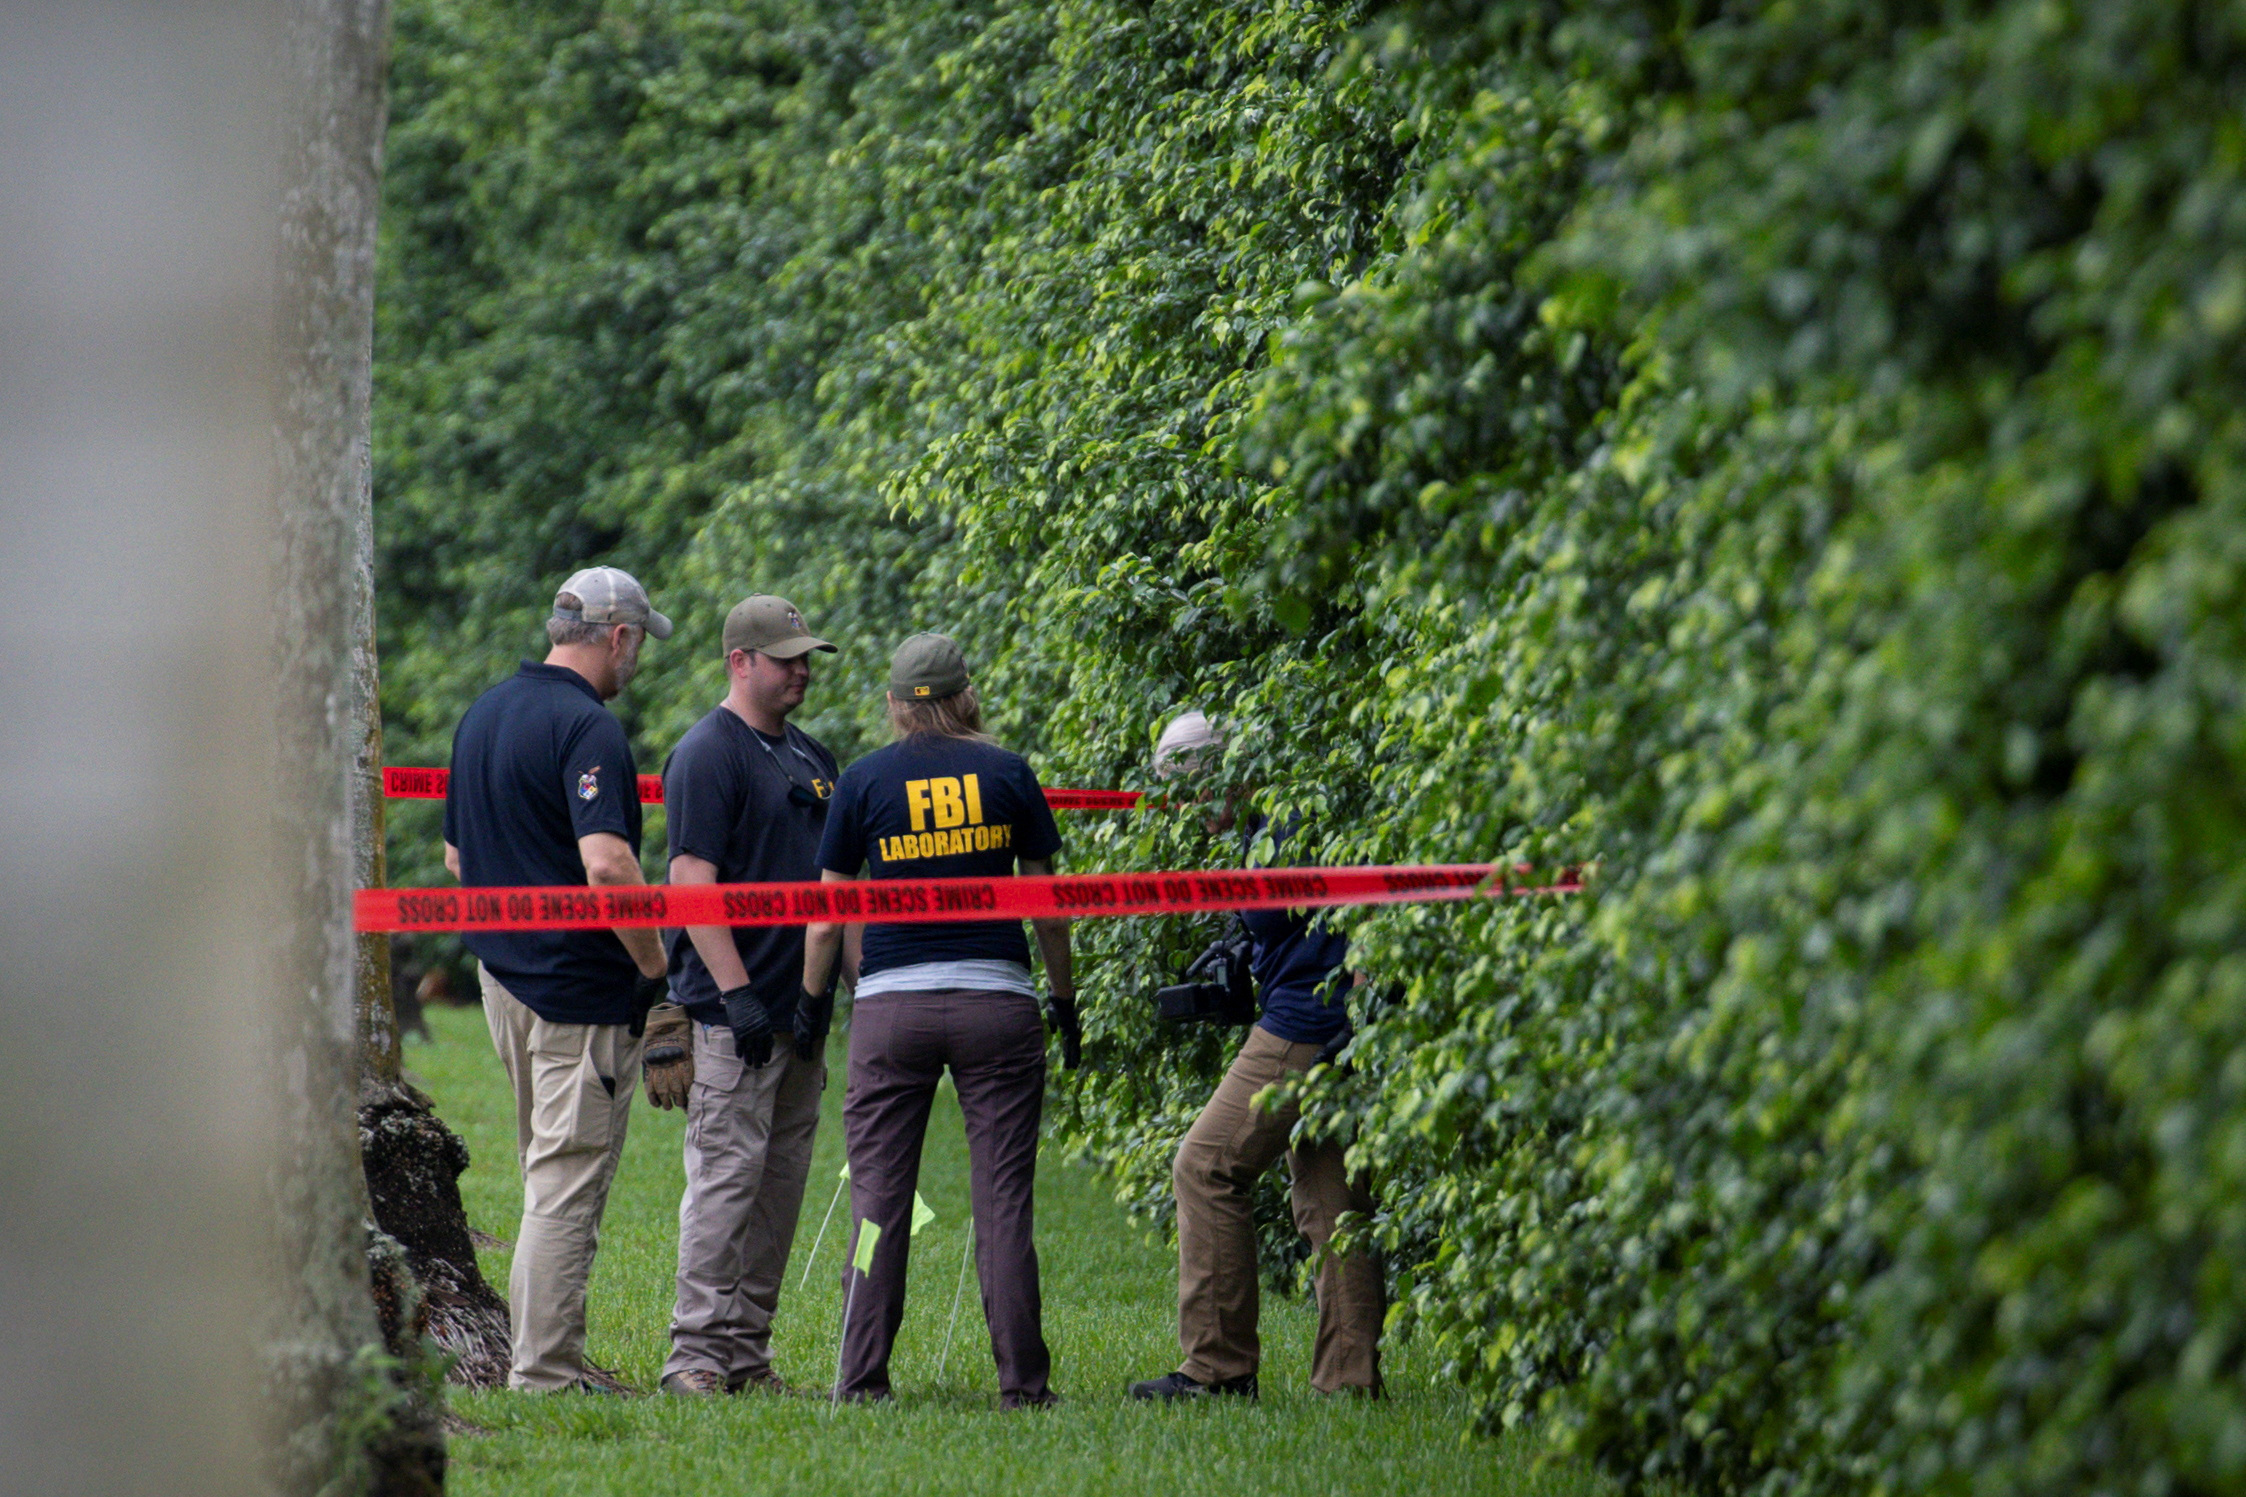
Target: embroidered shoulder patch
[(588, 784)]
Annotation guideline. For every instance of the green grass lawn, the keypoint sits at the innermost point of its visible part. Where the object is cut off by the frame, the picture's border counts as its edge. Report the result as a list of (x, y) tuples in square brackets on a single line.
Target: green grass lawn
[(1110, 1297)]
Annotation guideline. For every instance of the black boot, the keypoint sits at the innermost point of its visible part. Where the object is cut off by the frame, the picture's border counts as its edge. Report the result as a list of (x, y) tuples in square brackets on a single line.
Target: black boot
[(1177, 1385)]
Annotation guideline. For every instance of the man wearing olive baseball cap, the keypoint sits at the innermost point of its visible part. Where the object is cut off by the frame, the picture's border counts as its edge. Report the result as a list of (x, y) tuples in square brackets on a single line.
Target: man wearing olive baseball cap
[(770, 626), (745, 797), (544, 791)]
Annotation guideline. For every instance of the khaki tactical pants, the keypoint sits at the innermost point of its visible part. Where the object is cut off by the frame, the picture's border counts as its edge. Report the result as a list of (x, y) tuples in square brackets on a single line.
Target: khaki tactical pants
[(749, 1131), (1228, 1147), (573, 1096)]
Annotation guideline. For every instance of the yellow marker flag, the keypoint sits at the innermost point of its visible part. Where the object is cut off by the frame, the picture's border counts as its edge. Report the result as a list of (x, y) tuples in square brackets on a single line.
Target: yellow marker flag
[(922, 1214), (845, 1169), (869, 1233)]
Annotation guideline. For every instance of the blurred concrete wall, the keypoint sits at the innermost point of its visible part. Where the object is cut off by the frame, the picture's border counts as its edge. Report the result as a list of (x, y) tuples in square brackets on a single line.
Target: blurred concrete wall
[(142, 889)]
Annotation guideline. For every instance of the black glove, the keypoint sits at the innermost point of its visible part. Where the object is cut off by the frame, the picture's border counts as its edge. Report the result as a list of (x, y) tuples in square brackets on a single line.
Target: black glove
[(646, 993), (1060, 1013), (751, 1025), (814, 1015), (1330, 1052)]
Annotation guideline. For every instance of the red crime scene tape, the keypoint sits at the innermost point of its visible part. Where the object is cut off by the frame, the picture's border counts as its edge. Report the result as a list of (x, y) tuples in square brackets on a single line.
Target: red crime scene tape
[(429, 784), (574, 907)]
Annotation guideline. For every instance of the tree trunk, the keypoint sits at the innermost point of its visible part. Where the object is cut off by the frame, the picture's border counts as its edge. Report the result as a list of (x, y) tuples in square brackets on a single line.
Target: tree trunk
[(412, 1162), (348, 1416), (381, 1057), (413, 1165)]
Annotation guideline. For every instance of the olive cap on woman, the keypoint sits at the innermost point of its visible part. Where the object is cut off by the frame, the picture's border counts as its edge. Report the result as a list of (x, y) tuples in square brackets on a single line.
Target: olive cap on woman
[(925, 667)]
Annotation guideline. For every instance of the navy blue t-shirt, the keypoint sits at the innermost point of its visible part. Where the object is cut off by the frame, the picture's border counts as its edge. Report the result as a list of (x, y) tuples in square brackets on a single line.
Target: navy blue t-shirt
[(1302, 978), (726, 800), (932, 807), (538, 762)]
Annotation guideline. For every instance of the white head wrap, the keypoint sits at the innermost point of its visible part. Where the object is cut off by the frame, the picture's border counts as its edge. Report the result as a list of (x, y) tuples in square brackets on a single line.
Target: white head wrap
[(1182, 745)]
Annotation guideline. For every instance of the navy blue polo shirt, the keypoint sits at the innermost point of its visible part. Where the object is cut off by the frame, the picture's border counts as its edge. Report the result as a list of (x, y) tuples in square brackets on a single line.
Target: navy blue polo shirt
[(538, 762), (1302, 978), (755, 807), (934, 807)]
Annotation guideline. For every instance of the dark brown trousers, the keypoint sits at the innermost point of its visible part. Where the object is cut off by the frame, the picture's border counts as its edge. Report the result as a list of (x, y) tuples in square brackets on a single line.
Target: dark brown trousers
[(900, 1044), (1229, 1145)]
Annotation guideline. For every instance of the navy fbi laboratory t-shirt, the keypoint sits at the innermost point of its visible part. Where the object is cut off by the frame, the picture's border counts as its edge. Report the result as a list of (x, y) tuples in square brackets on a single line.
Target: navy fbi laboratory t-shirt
[(537, 763), (1301, 969), (931, 807), (727, 800)]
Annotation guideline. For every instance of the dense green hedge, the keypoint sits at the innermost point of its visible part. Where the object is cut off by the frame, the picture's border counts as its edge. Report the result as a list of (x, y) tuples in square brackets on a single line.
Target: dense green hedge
[(1785, 453)]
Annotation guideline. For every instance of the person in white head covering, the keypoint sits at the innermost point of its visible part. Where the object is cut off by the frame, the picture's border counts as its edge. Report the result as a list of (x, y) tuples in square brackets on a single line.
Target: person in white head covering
[(1302, 979), (1184, 744)]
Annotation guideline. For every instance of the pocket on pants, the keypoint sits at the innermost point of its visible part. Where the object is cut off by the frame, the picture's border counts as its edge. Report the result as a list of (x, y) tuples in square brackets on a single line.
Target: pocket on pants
[(717, 1067), (573, 1100), (1243, 1082)]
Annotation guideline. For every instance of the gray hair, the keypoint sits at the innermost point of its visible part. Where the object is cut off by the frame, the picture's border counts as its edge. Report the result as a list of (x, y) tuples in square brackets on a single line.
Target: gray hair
[(561, 631)]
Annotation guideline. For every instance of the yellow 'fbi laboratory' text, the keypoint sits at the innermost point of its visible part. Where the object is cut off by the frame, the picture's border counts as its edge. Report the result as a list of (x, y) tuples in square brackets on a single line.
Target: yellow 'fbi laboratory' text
[(947, 819)]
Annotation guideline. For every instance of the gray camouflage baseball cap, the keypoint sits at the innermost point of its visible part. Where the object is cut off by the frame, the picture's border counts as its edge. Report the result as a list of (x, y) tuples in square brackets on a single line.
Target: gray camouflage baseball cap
[(611, 595)]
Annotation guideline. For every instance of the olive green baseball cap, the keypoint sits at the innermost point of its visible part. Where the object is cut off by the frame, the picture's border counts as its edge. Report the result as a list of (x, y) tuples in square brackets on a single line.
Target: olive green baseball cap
[(770, 626), (925, 667)]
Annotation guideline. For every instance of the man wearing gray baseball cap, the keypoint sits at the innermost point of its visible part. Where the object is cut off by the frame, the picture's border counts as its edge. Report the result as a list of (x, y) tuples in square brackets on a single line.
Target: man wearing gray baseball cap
[(609, 597), (544, 791)]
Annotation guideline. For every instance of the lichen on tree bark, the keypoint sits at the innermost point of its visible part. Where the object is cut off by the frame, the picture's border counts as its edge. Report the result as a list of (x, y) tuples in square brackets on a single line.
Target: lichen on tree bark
[(344, 1415)]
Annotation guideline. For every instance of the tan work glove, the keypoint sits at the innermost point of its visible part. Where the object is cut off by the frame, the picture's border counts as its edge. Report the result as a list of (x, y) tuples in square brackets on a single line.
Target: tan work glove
[(668, 1060)]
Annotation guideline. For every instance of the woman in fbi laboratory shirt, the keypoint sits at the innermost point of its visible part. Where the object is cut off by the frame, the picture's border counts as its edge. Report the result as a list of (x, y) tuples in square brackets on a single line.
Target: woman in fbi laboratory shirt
[(943, 801)]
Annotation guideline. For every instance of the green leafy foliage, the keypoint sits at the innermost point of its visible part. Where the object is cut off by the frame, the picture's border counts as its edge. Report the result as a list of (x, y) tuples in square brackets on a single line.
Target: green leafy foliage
[(1784, 456)]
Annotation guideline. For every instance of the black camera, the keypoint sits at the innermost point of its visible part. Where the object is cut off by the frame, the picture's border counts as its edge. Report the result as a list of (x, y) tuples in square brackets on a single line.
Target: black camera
[(1219, 987)]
